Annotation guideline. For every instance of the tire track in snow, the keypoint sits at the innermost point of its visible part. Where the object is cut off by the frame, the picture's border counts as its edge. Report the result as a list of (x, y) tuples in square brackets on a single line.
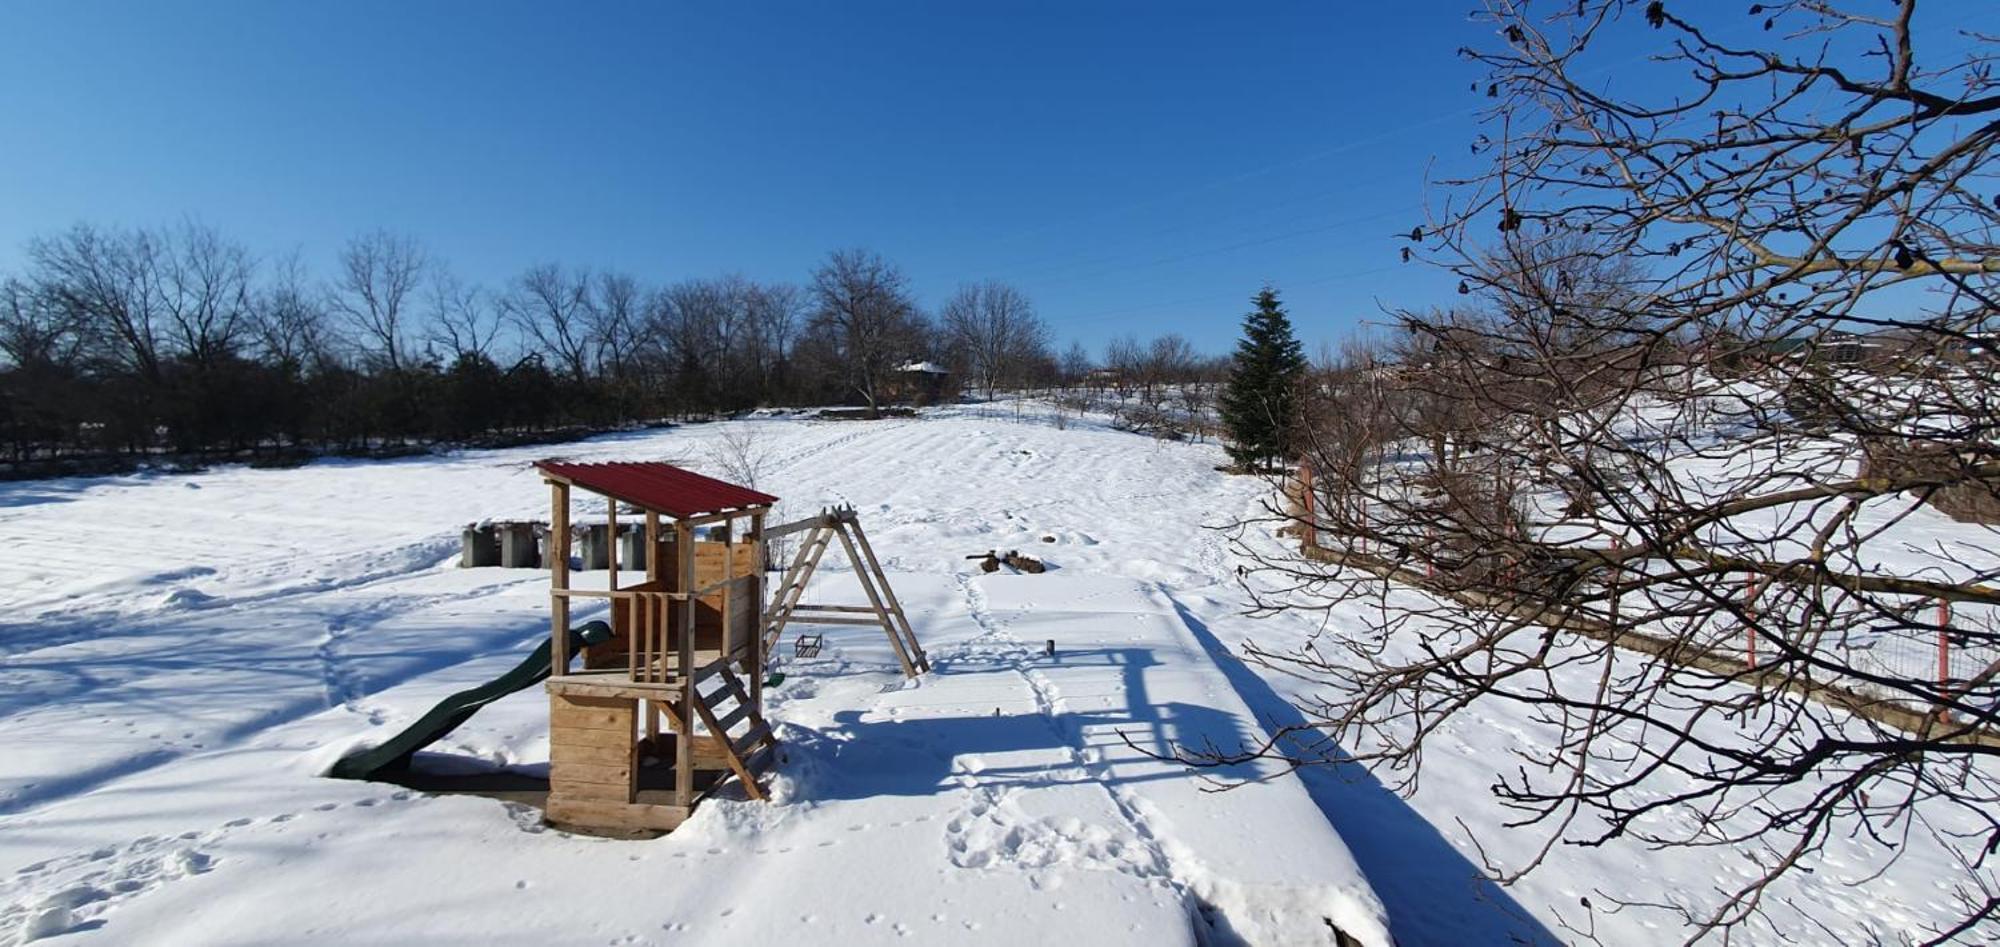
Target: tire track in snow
[(810, 451)]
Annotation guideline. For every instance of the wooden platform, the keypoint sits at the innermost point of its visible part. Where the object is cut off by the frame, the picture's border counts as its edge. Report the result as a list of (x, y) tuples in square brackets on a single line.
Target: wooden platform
[(597, 813), (613, 684)]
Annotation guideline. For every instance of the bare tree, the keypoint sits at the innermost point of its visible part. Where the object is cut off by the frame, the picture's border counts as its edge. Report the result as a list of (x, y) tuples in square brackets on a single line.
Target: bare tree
[(1153, 380), (35, 328), (1076, 366), (109, 284), (289, 319), (864, 313), (774, 314), (1724, 341), (463, 321), (1169, 363), (615, 309), (690, 322), (374, 289), (1073, 373), (996, 328), (551, 306), (204, 293), (741, 454), (1126, 360)]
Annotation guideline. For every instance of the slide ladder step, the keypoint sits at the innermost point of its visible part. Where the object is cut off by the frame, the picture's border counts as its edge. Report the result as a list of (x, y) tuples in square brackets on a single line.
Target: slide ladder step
[(733, 717), (736, 753)]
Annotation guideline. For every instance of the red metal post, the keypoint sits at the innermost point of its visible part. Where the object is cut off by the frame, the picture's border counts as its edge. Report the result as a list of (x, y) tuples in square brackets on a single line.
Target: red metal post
[(1944, 644)]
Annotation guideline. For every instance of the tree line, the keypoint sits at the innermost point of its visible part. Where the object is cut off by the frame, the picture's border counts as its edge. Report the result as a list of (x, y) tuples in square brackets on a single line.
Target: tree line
[(117, 343)]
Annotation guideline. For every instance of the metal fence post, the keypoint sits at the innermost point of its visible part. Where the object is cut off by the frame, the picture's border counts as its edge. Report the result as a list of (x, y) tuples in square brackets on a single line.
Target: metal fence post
[(1750, 626)]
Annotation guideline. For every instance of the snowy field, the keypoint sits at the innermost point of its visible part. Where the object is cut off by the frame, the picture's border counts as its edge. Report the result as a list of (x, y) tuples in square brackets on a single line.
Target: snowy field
[(181, 656)]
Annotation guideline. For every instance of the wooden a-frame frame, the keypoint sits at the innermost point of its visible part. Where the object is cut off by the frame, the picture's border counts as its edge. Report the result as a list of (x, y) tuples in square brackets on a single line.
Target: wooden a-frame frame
[(882, 609)]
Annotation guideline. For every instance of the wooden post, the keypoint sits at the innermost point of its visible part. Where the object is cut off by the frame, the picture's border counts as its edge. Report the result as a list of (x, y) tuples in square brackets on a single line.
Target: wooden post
[(652, 726), (875, 601), (656, 637), (652, 580), (652, 546), (684, 745), (559, 576), (611, 536), (1944, 645), (728, 592), (874, 565), (728, 530), (756, 669)]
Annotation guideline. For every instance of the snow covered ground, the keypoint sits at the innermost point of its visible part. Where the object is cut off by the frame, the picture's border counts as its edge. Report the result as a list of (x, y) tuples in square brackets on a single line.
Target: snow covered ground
[(180, 656)]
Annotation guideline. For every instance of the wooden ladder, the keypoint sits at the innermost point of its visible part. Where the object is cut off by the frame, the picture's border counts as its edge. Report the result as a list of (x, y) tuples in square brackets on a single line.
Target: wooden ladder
[(792, 587), (723, 705)]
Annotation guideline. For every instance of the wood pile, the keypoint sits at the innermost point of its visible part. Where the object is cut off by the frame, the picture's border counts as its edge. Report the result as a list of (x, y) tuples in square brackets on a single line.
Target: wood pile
[(992, 560)]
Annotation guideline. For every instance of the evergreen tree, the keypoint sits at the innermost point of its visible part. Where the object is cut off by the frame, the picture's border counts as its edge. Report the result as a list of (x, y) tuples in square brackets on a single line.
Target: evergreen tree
[(1260, 405)]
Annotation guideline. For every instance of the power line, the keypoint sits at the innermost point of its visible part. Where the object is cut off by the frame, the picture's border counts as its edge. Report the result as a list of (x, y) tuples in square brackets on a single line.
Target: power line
[(1342, 148)]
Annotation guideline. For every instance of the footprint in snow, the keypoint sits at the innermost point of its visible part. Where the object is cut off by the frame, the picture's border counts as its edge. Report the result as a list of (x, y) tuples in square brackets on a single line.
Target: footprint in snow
[(73, 893)]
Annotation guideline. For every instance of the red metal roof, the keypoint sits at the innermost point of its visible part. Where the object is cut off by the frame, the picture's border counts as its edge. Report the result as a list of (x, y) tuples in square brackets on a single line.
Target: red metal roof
[(663, 488)]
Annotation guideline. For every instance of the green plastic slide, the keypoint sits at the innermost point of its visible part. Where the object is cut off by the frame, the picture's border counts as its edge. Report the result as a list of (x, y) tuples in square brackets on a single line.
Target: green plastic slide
[(395, 754)]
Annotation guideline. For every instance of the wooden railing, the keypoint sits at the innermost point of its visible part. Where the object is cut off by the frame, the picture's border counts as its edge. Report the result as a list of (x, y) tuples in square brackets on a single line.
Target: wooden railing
[(644, 616)]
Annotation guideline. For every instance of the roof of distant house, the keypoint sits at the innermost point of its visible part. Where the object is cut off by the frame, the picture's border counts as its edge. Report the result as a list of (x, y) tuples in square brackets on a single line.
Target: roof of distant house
[(664, 488), (927, 368)]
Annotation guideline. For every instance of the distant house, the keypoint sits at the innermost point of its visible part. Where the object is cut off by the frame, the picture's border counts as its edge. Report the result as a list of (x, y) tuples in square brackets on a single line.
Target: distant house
[(1848, 348), (1835, 347), (920, 382)]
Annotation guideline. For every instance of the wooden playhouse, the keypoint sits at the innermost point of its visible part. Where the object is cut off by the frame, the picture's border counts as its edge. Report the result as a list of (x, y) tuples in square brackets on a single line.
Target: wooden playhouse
[(671, 706)]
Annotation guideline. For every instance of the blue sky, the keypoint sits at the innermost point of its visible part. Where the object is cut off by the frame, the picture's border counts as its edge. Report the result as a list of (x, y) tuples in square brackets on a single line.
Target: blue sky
[(1133, 167)]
